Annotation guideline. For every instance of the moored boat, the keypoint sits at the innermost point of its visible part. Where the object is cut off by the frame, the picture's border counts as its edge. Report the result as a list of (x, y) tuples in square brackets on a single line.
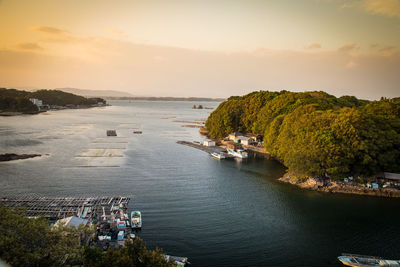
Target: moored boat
[(366, 261), (238, 153), (136, 219), (217, 155), (179, 261)]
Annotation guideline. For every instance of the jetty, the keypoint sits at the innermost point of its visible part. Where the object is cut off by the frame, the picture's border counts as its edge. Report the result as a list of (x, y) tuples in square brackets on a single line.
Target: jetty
[(55, 208), (208, 149)]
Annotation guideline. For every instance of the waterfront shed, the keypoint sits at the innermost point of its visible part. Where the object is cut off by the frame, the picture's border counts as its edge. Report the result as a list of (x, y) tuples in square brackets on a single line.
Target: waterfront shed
[(234, 136), (245, 140), (208, 143)]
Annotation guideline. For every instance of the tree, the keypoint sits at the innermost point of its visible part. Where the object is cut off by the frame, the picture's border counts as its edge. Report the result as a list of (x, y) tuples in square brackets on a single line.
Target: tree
[(33, 242), (317, 134)]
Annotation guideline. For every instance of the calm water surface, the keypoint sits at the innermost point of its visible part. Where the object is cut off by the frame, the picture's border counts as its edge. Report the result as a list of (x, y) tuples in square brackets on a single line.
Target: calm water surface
[(217, 213)]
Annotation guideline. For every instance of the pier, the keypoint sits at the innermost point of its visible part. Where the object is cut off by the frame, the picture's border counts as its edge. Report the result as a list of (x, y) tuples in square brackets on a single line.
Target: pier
[(55, 208), (208, 149)]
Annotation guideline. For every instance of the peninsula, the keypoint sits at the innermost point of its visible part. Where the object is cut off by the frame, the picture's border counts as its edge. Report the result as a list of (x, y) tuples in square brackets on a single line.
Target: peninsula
[(16, 102), (327, 143)]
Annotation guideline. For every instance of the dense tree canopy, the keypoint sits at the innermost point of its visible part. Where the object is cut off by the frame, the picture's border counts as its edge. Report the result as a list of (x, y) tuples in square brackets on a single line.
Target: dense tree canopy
[(18, 101), (315, 133), (33, 242)]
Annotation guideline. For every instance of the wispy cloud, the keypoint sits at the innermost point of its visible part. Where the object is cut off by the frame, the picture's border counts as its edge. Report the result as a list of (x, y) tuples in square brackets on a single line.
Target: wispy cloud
[(116, 32), (29, 46), (313, 46), (389, 8), (49, 30), (348, 48)]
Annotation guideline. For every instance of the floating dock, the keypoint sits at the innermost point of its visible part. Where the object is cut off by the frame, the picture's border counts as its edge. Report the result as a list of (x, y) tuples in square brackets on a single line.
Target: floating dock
[(55, 208), (208, 149)]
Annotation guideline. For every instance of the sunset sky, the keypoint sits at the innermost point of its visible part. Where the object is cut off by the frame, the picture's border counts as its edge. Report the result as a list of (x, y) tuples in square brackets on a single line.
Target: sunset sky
[(203, 48)]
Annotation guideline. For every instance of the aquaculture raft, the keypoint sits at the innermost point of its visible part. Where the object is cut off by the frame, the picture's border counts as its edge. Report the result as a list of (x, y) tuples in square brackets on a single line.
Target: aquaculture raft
[(55, 208)]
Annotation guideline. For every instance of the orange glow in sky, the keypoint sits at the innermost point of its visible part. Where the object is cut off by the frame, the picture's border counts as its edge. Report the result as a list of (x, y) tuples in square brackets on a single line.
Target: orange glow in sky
[(202, 48)]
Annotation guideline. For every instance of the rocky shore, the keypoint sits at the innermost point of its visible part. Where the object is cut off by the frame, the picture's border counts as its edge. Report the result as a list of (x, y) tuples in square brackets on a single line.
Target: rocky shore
[(11, 156), (330, 186)]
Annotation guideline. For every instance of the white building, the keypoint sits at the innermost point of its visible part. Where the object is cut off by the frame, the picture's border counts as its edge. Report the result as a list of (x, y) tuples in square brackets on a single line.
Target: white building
[(245, 140), (208, 143), (234, 136), (37, 102)]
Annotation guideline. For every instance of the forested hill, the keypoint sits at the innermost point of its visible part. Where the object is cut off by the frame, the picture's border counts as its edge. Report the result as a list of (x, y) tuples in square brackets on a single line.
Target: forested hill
[(315, 133), (18, 100)]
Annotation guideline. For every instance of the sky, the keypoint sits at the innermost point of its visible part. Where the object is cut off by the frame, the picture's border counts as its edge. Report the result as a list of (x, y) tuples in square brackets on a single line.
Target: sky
[(204, 48)]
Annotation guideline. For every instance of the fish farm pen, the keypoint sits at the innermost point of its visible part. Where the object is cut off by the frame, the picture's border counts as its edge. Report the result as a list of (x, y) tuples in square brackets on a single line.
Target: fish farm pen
[(55, 208)]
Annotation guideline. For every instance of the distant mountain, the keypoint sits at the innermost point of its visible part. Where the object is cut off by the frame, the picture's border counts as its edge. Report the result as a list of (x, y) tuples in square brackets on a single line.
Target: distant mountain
[(94, 93)]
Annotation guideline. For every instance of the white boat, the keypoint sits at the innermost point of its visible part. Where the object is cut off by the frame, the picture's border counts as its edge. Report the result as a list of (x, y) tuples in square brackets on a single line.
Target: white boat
[(238, 153), (179, 261), (136, 219), (366, 261), (217, 155)]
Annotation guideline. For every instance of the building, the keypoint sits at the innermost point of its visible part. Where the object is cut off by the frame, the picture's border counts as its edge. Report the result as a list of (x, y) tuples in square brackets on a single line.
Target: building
[(208, 143), (234, 146), (245, 140), (71, 221), (234, 136), (37, 102), (388, 177), (255, 137)]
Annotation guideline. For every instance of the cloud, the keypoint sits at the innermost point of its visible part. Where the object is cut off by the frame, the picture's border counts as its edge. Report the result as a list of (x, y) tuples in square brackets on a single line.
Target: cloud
[(389, 8), (103, 63), (374, 46), (49, 30), (313, 46), (387, 48), (388, 51), (29, 46), (116, 32), (351, 64), (348, 48)]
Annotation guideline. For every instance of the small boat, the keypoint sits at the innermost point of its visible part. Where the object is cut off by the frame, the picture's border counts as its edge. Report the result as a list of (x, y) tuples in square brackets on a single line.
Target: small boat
[(366, 261), (238, 153), (179, 261), (136, 219), (111, 133), (217, 155)]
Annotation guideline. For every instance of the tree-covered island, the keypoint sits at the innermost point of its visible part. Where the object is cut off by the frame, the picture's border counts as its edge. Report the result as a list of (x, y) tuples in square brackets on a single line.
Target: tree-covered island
[(316, 134), (12, 100)]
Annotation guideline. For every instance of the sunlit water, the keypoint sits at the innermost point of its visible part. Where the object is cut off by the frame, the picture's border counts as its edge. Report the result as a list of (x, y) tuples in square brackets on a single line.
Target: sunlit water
[(217, 213)]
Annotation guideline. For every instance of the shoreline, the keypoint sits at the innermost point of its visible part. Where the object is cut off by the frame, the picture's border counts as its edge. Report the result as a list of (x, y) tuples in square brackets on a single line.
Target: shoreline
[(314, 184), (17, 113)]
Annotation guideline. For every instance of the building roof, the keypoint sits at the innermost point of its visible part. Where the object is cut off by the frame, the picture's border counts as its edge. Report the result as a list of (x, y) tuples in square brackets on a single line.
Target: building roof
[(244, 138), (236, 134), (71, 221), (390, 175)]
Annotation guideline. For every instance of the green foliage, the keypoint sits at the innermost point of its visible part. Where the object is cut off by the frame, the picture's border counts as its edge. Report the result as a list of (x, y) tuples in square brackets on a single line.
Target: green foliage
[(134, 253), (18, 101), (315, 133), (60, 98), (33, 242)]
